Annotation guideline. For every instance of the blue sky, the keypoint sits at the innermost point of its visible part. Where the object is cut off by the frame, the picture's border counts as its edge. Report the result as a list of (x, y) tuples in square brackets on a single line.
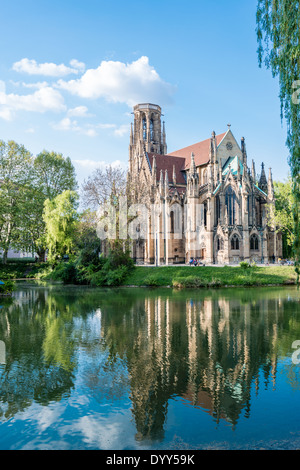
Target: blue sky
[(71, 70)]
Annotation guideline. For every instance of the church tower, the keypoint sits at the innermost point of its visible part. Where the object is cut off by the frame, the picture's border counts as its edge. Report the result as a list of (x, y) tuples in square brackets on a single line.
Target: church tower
[(147, 134)]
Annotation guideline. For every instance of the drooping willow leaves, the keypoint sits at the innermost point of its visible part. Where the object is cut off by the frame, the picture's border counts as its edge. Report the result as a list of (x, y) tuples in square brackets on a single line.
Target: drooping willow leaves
[(278, 35)]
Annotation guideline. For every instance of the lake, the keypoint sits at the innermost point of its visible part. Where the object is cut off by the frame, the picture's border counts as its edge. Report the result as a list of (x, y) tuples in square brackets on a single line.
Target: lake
[(149, 369)]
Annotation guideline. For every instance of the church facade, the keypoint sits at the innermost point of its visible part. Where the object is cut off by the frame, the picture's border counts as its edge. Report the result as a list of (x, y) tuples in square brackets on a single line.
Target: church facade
[(203, 201)]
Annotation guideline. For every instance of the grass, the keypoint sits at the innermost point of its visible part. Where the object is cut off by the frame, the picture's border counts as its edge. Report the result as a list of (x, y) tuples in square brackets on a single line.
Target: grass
[(206, 276), (174, 276)]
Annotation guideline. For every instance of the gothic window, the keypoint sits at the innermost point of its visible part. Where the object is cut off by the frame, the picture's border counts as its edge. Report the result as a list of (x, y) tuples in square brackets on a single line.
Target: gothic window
[(254, 243), (172, 222), (230, 201), (218, 210), (205, 214), (204, 176), (144, 129), (151, 130), (235, 243)]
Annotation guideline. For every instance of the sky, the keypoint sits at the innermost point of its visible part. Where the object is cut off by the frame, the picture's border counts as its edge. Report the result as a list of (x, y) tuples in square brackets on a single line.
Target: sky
[(72, 70)]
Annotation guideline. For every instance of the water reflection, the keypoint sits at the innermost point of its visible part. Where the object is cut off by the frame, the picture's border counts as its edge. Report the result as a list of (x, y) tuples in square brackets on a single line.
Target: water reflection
[(210, 349)]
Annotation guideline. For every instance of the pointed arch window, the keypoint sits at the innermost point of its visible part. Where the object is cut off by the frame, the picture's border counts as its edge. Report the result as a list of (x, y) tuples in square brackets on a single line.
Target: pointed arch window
[(204, 176), (172, 222), (144, 128), (151, 130), (230, 201), (254, 243), (218, 210), (235, 242)]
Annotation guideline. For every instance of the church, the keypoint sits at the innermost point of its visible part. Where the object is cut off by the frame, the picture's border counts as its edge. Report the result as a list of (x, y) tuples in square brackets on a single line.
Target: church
[(209, 204)]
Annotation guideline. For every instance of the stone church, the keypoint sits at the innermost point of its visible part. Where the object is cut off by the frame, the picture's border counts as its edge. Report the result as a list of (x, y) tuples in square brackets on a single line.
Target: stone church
[(208, 204)]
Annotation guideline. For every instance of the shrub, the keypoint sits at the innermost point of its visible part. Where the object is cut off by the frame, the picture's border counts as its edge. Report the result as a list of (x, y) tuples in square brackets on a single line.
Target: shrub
[(245, 265), (7, 288), (189, 282)]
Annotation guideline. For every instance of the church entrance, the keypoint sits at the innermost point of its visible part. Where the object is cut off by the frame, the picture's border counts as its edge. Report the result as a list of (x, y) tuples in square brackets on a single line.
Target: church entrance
[(203, 254)]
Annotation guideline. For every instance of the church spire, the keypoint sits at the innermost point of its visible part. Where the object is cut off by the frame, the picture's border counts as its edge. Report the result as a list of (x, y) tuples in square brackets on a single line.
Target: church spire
[(253, 173), (161, 182), (154, 170), (174, 176), (244, 152), (263, 184), (166, 183), (270, 186), (193, 165)]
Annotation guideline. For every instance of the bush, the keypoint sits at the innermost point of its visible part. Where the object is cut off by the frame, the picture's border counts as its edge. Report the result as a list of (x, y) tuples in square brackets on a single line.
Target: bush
[(245, 265), (7, 288), (189, 282)]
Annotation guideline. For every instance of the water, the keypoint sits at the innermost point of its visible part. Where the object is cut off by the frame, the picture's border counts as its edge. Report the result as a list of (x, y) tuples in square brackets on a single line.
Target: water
[(149, 369)]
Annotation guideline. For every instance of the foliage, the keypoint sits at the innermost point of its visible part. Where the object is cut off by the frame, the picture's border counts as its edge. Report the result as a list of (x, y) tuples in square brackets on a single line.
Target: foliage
[(26, 182), (15, 194), (278, 34), (55, 174), (7, 288), (283, 216), (244, 265), (60, 217), (87, 243)]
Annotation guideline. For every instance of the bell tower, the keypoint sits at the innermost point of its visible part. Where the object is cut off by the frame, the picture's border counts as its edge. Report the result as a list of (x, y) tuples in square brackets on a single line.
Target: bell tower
[(147, 134)]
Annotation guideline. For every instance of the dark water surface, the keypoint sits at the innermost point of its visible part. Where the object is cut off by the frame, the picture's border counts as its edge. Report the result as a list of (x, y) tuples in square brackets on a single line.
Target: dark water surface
[(149, 369)]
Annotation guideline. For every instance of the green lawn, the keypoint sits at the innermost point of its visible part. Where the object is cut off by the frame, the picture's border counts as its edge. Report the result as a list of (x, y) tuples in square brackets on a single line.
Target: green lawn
[(205, 276), (178, 276)]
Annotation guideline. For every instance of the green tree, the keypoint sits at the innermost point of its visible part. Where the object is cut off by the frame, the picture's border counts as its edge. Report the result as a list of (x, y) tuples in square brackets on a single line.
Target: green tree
[(283, 216), (60, 217), (278, 34), (53, 175), (15, 195)]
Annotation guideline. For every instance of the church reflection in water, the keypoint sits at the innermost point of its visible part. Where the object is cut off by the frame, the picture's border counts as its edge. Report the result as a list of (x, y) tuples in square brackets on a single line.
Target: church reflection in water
[(210, 349)]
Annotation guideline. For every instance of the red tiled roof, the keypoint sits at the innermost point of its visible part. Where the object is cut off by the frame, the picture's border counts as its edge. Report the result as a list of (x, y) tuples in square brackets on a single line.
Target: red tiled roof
[(166, 162), (200, 150)]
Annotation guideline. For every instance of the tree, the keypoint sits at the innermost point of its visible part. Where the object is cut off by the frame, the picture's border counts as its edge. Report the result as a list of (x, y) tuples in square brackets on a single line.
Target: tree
[(16, 193), (283, 215), (53, 174), (278, 34), (60, 217), (99, 187), (87, 241)]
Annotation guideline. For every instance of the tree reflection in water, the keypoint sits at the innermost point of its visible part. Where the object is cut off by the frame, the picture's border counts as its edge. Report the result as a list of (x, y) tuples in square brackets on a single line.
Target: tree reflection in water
[(207, 348)]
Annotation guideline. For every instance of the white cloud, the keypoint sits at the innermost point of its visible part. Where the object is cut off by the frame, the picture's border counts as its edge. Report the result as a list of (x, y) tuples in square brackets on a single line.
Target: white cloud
[(68, 124), (90, 130), (79, 111), (119, 82), (124, 129), (77, 65), (41, 101), (31, 67)]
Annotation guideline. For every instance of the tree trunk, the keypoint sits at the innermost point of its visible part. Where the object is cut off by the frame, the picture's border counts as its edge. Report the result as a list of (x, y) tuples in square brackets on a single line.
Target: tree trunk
[(4, 257), (41, 254)]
